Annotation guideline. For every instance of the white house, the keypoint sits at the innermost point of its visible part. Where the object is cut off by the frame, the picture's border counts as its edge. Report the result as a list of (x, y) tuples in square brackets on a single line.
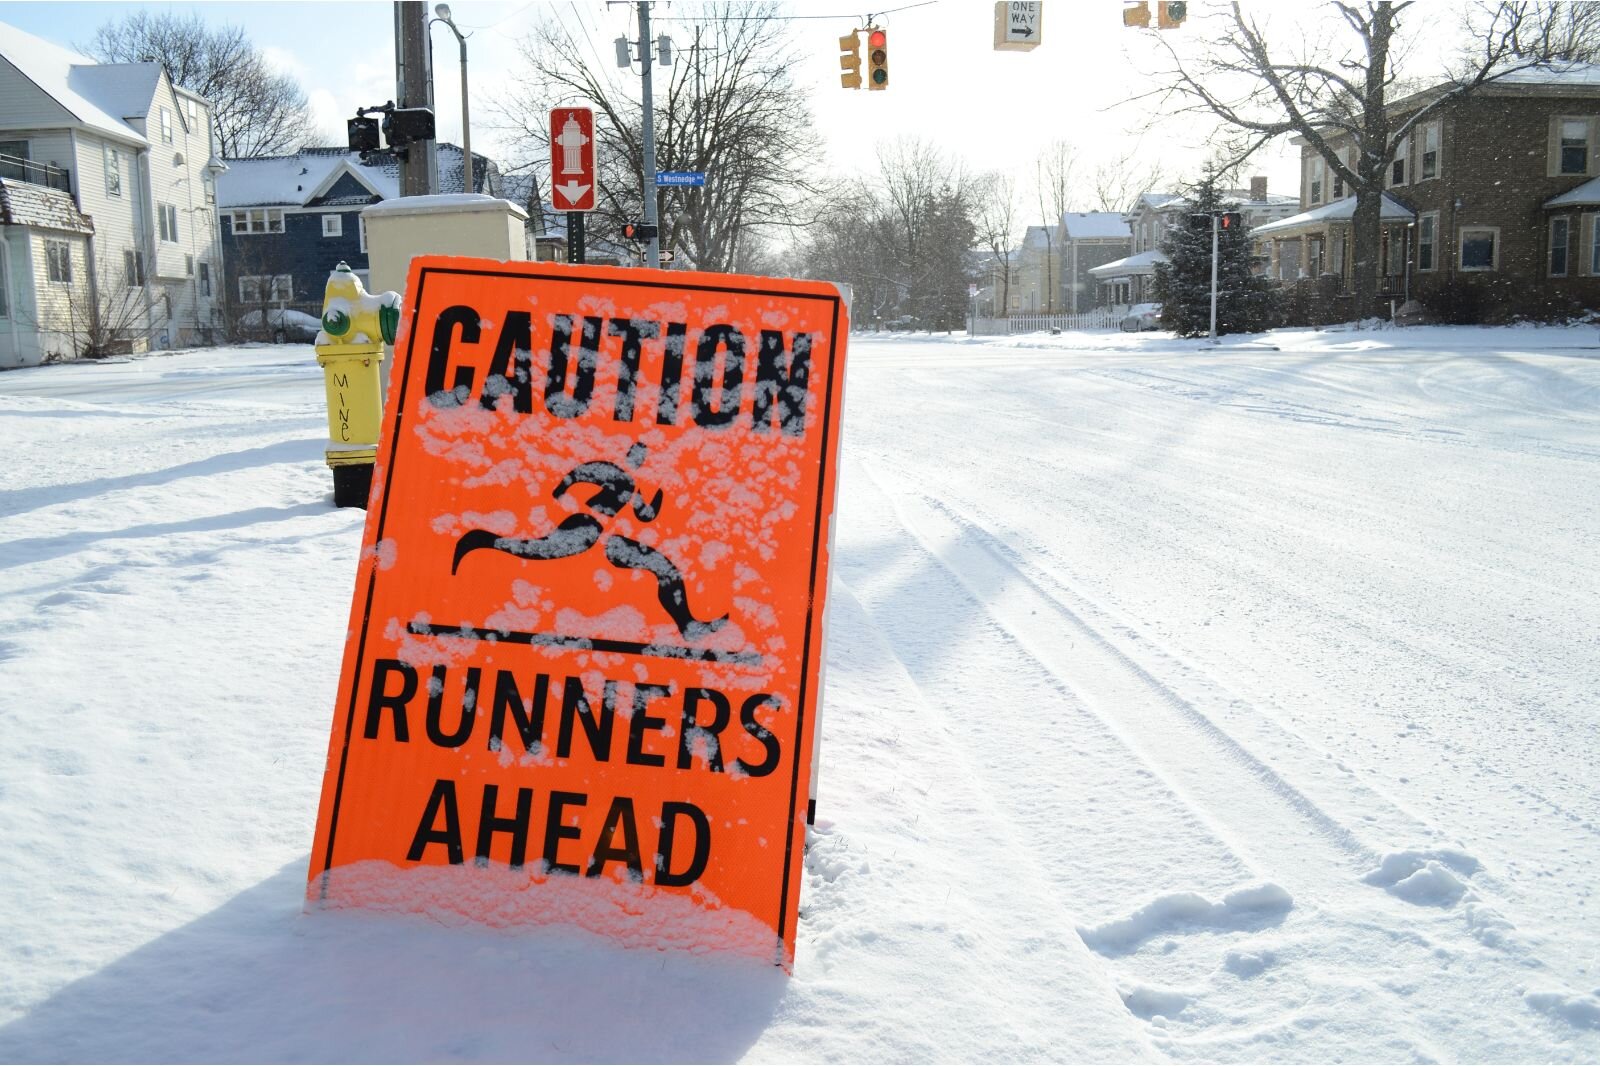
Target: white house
[(1130, 280), (108, 220)]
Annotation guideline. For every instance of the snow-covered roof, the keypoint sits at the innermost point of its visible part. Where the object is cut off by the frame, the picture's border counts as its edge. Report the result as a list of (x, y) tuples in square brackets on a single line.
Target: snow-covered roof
[(1338, 211), (99, 95), (445, 202), (25, 204), (1157, 200), (1092, 225), (1585, 195), (1559, 73), (1143, 263), (296, 180)]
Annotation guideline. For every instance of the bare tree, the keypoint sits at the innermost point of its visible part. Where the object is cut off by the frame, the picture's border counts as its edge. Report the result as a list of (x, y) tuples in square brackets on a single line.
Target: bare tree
[(1052, 183), (1340, 90), (729, 108), (997, 219), (257, 110), (903, 239), (1119, 181)]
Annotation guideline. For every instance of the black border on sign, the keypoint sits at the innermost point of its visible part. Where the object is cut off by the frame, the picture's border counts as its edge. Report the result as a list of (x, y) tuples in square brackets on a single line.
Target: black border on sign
[(825, 459)]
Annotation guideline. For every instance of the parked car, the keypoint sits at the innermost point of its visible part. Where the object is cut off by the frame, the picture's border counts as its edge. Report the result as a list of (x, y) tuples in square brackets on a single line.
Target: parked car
[(283, 324), (1142, 317), (904, 322)]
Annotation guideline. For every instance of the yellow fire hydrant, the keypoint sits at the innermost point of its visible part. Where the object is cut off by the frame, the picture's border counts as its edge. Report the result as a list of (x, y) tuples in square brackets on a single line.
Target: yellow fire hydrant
[(355, 327)]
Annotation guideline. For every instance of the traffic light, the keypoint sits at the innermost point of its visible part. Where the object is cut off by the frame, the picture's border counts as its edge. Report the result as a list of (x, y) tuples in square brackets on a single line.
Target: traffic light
[(1232, 220), (1199, 223), (1137, 15), (1170, 13), (638, 231), (850, 61), (877, 58)]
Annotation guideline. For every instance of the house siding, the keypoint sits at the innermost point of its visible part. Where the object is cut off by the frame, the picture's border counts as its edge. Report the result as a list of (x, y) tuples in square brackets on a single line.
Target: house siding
[(23, 105), (300, 251)]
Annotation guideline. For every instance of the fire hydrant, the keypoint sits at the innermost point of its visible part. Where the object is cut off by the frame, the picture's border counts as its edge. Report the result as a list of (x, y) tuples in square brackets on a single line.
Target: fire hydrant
[(355, 327)]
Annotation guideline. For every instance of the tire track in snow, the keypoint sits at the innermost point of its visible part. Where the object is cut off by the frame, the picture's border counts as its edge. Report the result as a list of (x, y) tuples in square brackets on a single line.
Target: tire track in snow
[(1272, 824)]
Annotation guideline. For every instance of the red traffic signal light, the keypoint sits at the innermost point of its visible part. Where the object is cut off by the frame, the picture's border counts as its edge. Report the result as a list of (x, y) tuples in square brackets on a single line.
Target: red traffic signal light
[(877, 59), (638, 231), (1232, 220)]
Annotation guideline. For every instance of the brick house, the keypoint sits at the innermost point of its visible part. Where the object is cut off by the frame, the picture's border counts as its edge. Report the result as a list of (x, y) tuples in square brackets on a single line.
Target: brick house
[(289, 220), (1492, 209)]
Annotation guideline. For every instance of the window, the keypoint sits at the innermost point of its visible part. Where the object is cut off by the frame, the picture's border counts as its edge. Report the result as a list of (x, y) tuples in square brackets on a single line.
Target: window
[(1397, 169), (333, 225), (167, 217), (15, 149), (1316, 180), (1480, 247), (258, 220), (189, 108), (361, 228), (254, 290), (1428, 165), (1560, 230), (113, 172), (1338, 185), (133, 269), (1396, 259), (1316, 257), (166, 125), (205, 279), (58, 261), (1427, 240), (1574, 146), (1594, 244), (188, 266)]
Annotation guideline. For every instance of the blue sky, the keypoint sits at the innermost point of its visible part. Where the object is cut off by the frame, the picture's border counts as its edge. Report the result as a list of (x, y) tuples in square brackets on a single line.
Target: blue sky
[(992, 109)]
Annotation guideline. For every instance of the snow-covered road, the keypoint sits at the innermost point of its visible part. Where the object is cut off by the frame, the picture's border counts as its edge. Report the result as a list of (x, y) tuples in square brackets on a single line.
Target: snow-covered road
[(1180, 704)]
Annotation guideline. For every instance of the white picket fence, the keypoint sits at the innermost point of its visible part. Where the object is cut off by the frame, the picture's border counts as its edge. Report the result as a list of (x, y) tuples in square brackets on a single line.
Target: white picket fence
[(1100, 318)]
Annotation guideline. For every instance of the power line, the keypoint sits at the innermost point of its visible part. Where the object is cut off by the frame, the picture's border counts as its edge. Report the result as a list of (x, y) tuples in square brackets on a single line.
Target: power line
[(796, 18)]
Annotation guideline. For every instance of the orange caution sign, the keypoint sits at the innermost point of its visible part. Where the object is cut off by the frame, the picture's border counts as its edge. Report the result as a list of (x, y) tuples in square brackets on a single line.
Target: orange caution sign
[(581, 675)]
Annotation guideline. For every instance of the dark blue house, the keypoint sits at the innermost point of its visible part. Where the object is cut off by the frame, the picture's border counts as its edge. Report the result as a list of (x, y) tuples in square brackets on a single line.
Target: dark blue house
[(288, 220)]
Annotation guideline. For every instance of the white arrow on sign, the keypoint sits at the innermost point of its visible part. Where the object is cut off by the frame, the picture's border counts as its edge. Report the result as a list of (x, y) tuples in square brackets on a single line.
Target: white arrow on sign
[(572, 191)]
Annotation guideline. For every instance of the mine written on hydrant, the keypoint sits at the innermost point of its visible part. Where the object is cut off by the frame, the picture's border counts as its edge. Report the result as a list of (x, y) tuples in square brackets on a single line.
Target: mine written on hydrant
[(355, 327)]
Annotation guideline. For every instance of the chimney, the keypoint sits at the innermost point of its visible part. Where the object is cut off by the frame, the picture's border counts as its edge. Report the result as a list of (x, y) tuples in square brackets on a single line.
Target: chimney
[(1258, 188)]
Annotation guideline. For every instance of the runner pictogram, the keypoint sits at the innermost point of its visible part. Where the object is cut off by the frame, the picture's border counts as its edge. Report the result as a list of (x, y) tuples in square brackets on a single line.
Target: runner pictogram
[(614, 491)]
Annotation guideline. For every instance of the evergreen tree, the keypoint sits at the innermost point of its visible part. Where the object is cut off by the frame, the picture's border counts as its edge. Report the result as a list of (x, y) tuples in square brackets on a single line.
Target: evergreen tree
[(1183, 284)]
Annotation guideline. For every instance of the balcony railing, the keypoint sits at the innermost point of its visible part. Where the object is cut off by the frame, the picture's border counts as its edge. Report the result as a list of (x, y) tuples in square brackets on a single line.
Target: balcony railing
[(14, 169)]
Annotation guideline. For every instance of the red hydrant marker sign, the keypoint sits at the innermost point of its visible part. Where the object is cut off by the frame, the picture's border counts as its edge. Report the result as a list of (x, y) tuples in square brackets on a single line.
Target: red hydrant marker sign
[(572, 181), (582, 667)]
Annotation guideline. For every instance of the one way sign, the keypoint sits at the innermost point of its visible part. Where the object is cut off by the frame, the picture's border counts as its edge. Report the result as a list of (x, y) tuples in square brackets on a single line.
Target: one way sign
[(1016, 25), (572, 159)]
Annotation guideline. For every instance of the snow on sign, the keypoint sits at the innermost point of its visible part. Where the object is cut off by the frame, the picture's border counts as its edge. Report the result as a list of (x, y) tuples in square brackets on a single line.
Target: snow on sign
[(583, 659), (572, 159), (1016, 25)]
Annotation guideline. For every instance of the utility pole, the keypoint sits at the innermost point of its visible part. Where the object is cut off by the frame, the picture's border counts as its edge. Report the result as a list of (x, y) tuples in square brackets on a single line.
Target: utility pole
[(413, 62), (1215, 222), (646, 59)]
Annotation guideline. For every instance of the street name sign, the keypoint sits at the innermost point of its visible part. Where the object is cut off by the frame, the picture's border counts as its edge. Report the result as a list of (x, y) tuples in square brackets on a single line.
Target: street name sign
[(581, 673), (572, 185), (680, 177)]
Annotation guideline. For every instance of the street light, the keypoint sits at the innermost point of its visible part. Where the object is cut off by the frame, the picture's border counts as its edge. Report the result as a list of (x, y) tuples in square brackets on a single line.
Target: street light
[(443, 13)]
